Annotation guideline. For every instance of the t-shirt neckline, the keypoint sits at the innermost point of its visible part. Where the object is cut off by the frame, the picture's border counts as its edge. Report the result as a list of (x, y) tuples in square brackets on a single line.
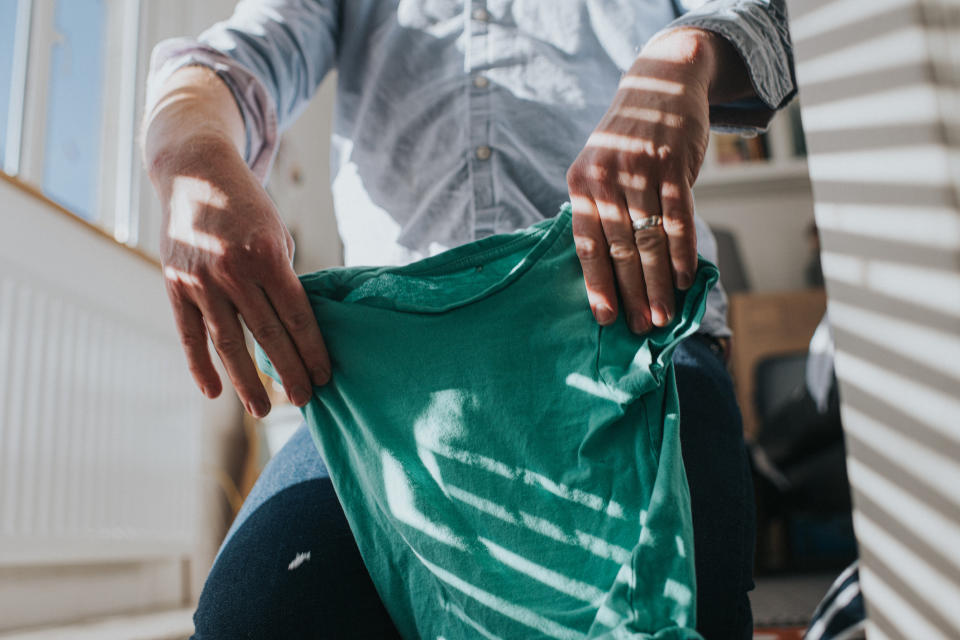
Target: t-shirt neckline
[(539, 237)]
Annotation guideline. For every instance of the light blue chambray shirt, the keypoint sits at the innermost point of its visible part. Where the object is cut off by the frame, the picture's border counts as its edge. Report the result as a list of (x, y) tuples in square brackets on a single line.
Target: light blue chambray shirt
[(457, 119)]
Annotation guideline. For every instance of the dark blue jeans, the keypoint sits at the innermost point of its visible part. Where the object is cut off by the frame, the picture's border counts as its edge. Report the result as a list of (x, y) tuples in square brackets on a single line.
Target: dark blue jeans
[(289, 567)]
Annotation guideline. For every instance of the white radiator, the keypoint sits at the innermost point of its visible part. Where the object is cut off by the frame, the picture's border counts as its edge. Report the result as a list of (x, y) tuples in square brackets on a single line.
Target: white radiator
[(99, 421)]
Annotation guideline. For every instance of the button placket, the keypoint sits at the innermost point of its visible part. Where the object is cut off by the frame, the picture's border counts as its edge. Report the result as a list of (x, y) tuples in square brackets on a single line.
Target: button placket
[(481, 170)]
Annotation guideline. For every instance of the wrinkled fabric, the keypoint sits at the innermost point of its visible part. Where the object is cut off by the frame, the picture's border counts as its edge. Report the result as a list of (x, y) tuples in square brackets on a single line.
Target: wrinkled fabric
[(424, 86), (508, 467)]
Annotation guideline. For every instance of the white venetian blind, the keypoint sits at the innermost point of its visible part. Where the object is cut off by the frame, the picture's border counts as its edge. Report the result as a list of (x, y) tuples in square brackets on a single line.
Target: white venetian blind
[(878, 90)]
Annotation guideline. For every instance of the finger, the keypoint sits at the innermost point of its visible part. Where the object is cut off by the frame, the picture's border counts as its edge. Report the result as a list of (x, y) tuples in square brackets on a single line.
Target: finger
[(676, 200), (290, 302), (626, 261), (227, 336), (193, 336), (651, 245), (594, 258), (269, 332)]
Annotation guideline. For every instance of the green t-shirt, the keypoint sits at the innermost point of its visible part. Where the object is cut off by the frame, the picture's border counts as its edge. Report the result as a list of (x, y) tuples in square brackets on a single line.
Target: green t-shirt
[(509, 468)]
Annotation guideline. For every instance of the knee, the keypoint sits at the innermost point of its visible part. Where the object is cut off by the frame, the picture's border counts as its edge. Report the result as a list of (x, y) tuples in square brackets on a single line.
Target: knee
[(708, 405)]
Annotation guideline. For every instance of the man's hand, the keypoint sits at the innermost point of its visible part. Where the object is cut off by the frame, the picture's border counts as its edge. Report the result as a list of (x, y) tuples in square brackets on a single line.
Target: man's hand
[(226, 253), (639, 165)]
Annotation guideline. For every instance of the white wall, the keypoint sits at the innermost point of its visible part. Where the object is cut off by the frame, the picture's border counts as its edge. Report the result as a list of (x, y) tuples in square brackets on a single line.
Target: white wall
[(770, 221), (300, 183)]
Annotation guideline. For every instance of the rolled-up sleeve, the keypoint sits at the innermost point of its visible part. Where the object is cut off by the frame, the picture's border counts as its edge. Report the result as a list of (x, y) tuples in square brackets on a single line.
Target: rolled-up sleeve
[(757, 29), (272, 54)]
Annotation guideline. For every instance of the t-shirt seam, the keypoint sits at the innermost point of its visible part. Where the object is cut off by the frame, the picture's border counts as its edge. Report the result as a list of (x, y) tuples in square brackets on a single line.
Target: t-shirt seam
[(557, 229), (499, 250), (480, 256)]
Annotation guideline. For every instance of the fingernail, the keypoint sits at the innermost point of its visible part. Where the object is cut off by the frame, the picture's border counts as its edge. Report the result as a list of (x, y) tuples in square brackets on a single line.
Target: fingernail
[(299, 396), (605, 314), (639, 324), (684, 280), (259, 408), (320, 377), (660, 314)]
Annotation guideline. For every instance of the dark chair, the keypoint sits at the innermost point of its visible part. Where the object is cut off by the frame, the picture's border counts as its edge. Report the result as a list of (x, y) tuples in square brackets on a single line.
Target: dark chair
[(733, 274), (799, 468), (777, 379)]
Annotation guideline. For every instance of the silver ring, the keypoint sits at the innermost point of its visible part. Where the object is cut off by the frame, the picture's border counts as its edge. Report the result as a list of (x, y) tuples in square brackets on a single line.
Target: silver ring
[(642, 224)]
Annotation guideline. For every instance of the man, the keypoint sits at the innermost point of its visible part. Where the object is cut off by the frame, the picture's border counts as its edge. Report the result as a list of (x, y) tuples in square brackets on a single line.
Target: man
[(456, 119)]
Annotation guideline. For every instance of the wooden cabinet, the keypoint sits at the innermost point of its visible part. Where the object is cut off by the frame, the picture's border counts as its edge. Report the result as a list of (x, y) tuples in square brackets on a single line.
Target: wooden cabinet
[(764, 325)]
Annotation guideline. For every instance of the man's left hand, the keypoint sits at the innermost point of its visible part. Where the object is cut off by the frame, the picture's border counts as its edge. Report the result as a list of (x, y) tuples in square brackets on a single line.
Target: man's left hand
[(631, 185)]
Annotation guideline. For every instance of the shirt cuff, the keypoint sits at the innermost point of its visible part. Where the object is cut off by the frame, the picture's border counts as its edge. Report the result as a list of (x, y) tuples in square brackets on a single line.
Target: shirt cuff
[(758, 31), (256, 105)]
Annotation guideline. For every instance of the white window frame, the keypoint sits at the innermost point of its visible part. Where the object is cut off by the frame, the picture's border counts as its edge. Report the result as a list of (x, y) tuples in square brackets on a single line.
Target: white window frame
[(116, 126), (126, 207), (130, 28), (18, 83)]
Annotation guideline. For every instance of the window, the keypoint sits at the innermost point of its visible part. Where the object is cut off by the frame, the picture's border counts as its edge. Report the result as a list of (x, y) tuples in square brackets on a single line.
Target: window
[(74, 127), (11, 84), (72, 80), (70, 76)]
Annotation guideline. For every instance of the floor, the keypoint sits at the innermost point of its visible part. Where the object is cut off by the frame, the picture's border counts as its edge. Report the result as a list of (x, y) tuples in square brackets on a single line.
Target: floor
[(788, 601), (782, 605), (793, 633)]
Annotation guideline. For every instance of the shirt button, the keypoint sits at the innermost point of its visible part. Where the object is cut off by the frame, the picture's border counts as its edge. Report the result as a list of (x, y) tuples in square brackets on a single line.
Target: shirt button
[(483, 152), (481, 82), (481, 15)]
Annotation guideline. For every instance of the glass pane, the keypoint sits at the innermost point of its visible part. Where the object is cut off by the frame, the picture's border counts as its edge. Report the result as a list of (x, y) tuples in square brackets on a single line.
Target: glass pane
[(74, 105), (8, 25)]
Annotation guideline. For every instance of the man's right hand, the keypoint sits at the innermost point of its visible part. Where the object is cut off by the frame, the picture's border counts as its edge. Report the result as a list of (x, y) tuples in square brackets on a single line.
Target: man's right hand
[(227, 255)]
